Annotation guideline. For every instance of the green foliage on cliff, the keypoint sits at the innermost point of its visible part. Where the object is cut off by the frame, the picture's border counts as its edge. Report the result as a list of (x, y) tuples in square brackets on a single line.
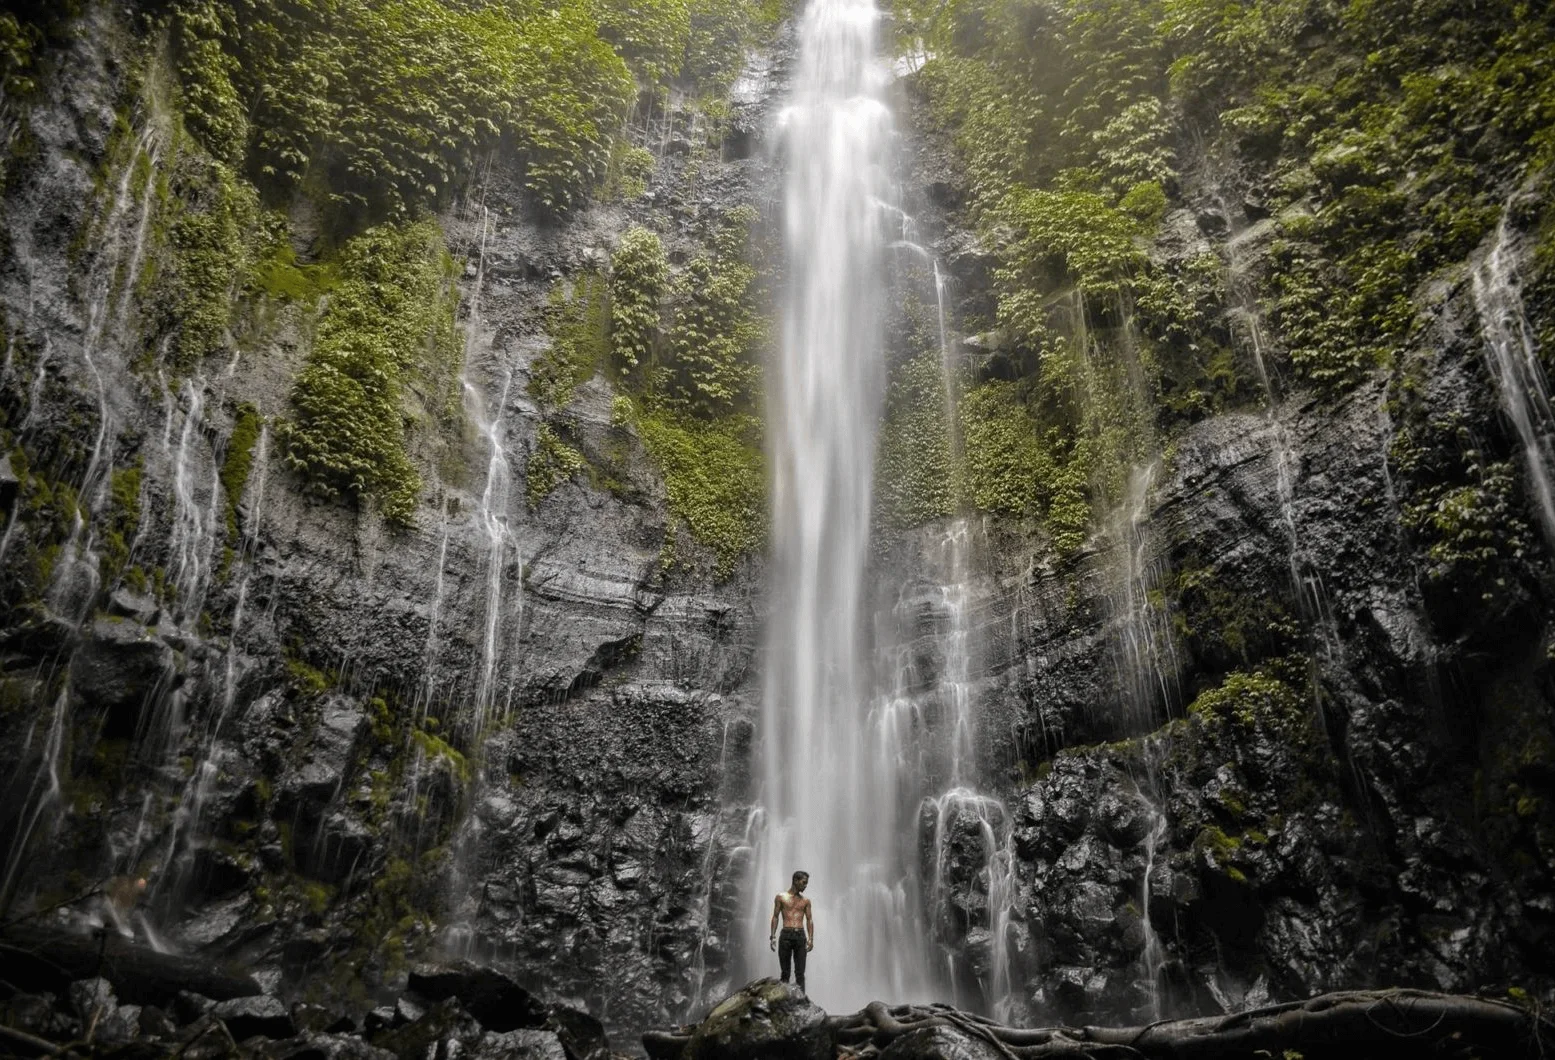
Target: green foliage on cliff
[(238, 462), (18, 41), (551, 462), (387, 104), (1382, 134), (384, 105), (686, 347), (717, 333), (915, 473), (208, 220), (639, 277), (577, 317), (389, 324), (714, 478), (122, 519)]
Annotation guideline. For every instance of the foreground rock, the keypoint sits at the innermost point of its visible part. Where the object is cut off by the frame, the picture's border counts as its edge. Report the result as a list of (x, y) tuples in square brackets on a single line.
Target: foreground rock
[(769, 1019), (460, 1009)]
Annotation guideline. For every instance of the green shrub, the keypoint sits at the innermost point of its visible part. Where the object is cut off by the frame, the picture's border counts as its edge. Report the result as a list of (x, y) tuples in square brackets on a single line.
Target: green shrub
[(716, 337), (122, 521), (551, 462), (213, 110), (714, 477), (389, 321), (651, 35), (577, 317), (1008, 468), (235, 466), (639, 277)]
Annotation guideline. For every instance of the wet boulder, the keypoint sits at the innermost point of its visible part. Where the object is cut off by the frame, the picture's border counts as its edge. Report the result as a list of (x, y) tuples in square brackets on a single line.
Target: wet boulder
[(118, 670), (260, 1016), (318, 1045), (520, 1045), (435, 1033), (496, 1001), (582, 1036), (766, 1020)]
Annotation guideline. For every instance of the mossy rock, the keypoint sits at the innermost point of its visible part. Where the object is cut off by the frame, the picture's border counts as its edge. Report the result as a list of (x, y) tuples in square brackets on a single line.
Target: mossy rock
[(766, 1020)]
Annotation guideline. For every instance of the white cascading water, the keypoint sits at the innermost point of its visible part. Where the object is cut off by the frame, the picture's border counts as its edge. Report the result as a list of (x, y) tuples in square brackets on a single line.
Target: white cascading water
[(1513, 356), (828, 787)]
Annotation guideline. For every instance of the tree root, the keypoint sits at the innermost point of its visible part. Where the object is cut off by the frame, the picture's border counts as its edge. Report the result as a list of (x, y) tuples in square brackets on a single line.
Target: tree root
[(1363, 1023)]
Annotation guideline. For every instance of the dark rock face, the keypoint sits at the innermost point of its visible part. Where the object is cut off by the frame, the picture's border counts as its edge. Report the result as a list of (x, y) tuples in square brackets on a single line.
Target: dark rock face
[(284, 737), (1380, 820)]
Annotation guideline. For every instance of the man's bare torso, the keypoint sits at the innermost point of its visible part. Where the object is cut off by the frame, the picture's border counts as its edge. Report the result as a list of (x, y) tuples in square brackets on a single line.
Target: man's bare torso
[(793, 907)]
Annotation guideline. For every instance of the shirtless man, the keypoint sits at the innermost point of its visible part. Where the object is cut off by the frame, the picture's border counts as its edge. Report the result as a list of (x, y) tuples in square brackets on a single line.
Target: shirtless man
[(794, 909)]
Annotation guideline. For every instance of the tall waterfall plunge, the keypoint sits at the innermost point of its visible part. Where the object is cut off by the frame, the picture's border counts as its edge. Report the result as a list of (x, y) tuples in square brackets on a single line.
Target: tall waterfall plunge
[(828, 783)]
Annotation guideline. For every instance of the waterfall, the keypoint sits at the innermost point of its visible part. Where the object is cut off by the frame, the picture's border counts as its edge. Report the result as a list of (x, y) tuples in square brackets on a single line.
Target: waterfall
[(501, 547), (1513, 356), (827, 786), (1143, 650)]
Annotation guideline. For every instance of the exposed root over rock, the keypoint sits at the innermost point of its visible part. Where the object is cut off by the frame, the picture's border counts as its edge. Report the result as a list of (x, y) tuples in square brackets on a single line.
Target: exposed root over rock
[(1351, 1024)]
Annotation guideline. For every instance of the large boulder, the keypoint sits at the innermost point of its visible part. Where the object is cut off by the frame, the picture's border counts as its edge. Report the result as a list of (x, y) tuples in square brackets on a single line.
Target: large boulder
[(765, 1020), (496, 1001), (263, 1016)]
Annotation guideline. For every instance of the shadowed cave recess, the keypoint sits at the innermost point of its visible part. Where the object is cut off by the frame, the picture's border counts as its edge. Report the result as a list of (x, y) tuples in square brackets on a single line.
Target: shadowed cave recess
[(495, 484)]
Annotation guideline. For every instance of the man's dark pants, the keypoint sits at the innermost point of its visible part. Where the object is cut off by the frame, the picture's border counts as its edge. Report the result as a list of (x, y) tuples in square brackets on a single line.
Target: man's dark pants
[(791, 947)]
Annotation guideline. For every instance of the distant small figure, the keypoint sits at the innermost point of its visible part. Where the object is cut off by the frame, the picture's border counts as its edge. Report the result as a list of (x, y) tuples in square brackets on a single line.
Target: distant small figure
[(795, 911), (121, 894)]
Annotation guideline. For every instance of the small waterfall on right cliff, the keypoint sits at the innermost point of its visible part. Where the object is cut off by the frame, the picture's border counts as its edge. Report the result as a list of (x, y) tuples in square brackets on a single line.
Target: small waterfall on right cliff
[(1513, 356)]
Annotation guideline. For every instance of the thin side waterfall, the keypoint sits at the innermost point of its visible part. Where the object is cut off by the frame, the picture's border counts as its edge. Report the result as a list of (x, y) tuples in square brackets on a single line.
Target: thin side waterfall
[(193, 539), (827, 786), (493, 513), (1152, 959), (1143, 649), (112, 275), (1513, 356)]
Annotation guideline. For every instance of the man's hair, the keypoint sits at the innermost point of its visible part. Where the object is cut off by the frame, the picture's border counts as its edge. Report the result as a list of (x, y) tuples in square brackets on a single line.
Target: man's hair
[(795, 877)]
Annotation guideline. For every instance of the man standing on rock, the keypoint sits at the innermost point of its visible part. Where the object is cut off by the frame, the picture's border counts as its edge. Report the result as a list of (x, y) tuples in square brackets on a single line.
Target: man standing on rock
[(794, 908)]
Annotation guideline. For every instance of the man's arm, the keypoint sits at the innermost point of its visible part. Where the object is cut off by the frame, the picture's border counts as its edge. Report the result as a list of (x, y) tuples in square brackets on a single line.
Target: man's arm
[(809, 919), (777, 908)]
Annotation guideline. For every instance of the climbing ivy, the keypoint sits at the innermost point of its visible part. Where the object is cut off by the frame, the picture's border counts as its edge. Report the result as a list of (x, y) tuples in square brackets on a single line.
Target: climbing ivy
[(714, 478)]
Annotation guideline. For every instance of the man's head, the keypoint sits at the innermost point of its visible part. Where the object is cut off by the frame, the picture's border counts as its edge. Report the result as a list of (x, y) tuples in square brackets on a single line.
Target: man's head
[(800, 881)]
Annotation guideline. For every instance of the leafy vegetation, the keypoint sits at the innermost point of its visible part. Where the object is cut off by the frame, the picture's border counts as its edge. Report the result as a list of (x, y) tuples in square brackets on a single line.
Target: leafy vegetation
[(551, 462), (239, 461), (639, 277), (915, 471), (577, 317), (1379, 138), (683, 348), (714, 477), (389, 322)]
